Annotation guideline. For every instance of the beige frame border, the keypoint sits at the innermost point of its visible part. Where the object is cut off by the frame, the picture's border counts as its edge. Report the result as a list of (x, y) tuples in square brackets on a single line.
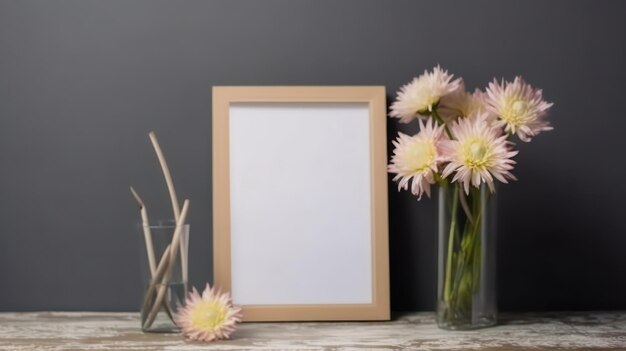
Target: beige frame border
[(375, 97)]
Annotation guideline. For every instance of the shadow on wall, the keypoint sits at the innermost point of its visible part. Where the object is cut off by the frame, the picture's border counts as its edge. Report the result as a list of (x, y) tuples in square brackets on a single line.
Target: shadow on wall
[(556, 250), (412, 238)]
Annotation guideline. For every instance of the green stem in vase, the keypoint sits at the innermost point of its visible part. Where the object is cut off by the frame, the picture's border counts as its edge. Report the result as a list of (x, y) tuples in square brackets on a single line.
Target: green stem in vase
[(475, 238), (463, 270), (440, 121), (468, 213), (448, 283)]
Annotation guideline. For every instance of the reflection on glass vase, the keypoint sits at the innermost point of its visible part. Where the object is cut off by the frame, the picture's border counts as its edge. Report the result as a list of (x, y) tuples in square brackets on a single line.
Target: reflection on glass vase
[(466, 289), (159, 317)]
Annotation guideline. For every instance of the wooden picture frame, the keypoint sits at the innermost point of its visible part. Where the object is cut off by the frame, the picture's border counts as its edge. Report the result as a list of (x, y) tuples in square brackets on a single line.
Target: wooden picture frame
[(300, 228)]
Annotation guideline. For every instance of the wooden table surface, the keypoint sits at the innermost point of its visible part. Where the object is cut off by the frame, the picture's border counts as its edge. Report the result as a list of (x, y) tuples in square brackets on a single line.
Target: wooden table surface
[(410, 331)]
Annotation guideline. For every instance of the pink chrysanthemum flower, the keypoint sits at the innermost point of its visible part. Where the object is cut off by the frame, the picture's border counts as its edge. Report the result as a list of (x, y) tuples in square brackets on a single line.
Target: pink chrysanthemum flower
[(415, 159), (461, 103), (479, 153), (208, 317), (521, 108), (422, 94)]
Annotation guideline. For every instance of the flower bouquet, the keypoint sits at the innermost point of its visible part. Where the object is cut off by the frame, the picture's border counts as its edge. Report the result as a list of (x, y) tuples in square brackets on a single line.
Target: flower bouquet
[(464, 145)]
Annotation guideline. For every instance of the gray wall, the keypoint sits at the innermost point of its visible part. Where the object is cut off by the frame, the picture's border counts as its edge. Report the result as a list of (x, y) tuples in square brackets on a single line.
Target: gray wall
[(82, 83)]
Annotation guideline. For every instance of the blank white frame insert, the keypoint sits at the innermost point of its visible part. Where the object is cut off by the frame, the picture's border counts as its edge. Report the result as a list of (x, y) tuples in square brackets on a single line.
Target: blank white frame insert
[(286, 161)]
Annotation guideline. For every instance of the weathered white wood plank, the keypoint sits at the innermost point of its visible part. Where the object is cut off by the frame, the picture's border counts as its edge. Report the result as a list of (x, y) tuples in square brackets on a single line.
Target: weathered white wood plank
[(413, 331)]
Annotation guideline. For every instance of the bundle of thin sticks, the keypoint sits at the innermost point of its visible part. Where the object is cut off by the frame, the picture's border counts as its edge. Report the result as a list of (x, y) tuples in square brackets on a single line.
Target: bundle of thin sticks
[(161, 272)]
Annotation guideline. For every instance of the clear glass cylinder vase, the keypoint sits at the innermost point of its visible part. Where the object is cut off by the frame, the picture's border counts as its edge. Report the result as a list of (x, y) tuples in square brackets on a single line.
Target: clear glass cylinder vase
[(466, 288), (164, 272)]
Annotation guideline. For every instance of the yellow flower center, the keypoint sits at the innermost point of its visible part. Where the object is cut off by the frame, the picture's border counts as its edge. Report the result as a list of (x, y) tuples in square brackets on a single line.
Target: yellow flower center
[(427, 105), (208, 315), (516, 113), (476, 153), (420, 155)]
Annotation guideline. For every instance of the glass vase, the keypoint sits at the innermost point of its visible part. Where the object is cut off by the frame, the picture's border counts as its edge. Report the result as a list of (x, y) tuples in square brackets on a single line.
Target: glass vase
[(466, 289), (167, 284)]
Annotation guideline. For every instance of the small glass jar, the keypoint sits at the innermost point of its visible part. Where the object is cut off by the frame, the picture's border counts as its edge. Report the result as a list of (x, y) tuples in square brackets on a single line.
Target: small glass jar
[(162, 278)]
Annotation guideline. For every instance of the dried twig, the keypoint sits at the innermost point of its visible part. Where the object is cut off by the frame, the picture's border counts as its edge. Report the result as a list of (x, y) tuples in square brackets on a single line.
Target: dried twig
[(157, 279), (146, 232), (173, 198)]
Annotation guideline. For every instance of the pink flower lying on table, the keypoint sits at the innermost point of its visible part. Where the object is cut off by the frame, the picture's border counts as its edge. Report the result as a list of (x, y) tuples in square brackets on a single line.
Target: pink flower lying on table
[(208, 317)]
